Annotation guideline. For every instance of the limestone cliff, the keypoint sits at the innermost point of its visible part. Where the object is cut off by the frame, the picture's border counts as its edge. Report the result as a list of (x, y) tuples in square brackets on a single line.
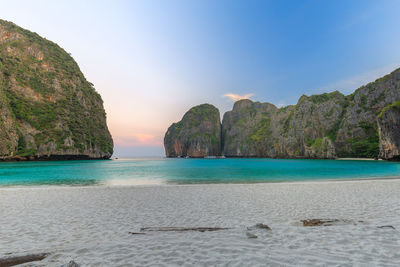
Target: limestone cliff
[(389, 132), (254, 129), (328, 125), (198, 134), (48, 109), (320, 126)]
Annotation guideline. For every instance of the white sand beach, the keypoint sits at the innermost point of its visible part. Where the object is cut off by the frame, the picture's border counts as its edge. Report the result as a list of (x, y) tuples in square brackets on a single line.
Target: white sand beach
[(91, 225)]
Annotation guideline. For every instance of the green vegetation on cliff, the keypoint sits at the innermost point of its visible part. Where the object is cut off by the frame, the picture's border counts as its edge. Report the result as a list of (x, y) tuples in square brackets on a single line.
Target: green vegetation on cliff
[(54, 110), (263, 132), (394, 105)]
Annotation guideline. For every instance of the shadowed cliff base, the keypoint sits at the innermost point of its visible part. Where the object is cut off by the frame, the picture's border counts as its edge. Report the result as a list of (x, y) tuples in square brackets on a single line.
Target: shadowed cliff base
[(54, 157), (364, 124)]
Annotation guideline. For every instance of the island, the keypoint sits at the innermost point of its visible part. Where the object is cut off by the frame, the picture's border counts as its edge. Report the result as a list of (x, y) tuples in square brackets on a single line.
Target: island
[(364, 124)]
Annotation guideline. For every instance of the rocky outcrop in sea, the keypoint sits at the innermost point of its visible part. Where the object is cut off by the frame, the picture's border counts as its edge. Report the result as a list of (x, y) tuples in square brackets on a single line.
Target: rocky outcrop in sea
[(198, 134)]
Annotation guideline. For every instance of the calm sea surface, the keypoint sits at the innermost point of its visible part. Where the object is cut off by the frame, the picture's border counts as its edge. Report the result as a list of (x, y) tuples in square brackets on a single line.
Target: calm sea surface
[(188, 171)]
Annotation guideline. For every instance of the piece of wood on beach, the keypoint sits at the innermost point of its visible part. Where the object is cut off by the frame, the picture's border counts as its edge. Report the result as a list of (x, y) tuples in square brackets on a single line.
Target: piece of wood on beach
[(328, 222), (182, 229), (16, 260), (319, 222), (387, 226), (136, 233)]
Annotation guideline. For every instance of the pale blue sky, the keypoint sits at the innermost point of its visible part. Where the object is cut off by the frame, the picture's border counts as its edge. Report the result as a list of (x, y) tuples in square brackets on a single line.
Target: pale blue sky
[(152, 60)]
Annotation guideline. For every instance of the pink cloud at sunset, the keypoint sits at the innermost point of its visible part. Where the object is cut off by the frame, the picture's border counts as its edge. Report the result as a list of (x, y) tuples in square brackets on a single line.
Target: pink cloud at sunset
[(138, 139), (236, 97)]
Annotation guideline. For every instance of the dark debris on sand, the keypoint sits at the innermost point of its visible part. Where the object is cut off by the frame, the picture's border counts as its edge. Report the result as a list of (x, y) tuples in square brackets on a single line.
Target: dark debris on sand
[(136, 233), (328, 222), (16, 260), (71, 264)]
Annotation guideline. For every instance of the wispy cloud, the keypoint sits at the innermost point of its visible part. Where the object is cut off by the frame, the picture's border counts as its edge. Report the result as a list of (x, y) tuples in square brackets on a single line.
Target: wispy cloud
[(236, 97), (352, 83)]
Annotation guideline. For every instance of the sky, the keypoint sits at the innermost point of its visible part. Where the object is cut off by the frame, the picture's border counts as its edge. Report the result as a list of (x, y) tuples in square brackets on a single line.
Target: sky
[(152, 60)]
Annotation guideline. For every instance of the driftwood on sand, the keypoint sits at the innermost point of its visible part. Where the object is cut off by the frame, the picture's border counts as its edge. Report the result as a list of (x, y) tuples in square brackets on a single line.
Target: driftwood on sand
[(136, 233), (328, 222), (182, 229), (319, 222), (387, 226), (16, 260)]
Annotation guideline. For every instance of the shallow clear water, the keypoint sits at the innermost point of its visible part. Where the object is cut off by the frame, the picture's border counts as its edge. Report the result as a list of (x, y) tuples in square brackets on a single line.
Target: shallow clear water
[(188, 171)]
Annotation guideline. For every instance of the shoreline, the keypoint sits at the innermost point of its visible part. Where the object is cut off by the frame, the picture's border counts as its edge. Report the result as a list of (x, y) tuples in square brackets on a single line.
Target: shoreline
[(35, 158), (155, 185), (278, 158), (361, 159)]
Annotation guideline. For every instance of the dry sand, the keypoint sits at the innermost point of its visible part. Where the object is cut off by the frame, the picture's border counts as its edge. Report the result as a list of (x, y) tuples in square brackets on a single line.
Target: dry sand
[(91, 225)]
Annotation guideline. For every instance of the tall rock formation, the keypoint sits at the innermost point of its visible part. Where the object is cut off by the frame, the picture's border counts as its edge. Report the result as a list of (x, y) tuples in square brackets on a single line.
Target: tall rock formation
[(328, 125), (389, 132), (254, 129), (48, 109), (198, 134)]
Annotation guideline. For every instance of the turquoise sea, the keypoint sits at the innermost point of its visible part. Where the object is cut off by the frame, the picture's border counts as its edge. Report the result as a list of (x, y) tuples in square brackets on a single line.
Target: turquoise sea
[(142, 171)]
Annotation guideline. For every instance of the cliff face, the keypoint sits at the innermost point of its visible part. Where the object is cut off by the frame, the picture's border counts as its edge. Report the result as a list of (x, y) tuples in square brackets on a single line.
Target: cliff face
[(319, 126), (198, 134), (262, 130), (389, 132), (48, 108)]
